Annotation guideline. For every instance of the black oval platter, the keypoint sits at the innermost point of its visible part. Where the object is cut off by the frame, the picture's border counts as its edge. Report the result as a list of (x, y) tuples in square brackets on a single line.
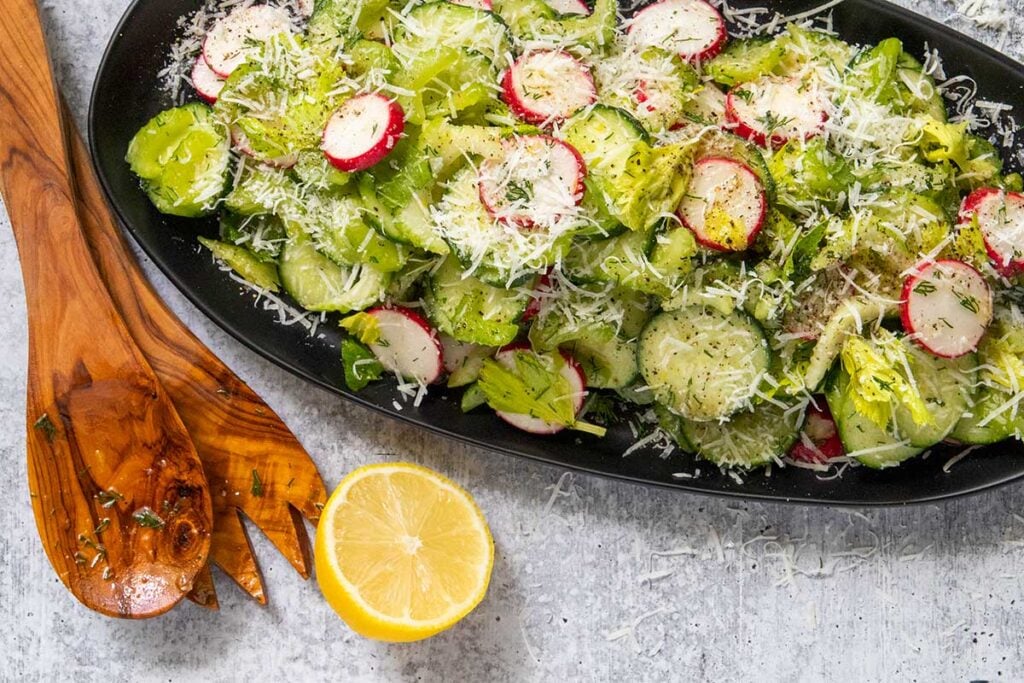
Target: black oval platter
[(125, 96)]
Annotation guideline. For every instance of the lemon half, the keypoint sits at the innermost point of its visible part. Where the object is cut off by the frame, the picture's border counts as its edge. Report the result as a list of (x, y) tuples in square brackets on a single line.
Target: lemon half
[(402, 552)]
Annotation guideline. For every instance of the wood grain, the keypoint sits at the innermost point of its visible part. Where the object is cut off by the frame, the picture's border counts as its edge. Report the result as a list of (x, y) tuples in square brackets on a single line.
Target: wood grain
[(235, 432), (118, 492)]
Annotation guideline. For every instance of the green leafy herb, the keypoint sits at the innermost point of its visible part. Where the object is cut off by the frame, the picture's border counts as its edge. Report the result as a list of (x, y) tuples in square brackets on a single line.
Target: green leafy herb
[(970, 303), (535, 387), (45, 425), (147, 518), (102, 526), (924, 287), (743, 94), (361, 366), (109, 497), (363, 327), (770, 122), (257, 485), (519, 191), (602, 408)]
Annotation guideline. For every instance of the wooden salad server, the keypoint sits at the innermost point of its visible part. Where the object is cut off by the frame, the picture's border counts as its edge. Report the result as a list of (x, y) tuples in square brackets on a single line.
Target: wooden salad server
[(118, 491), (253, 462)]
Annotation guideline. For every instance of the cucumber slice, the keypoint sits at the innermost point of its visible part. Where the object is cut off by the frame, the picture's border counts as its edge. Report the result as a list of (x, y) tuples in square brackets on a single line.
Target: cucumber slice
[(971, 430), (263, 236), (918, 90), (637, 183), (261, 189), (337, 228), (182, 156), (612, 143), (621, 259), (946, 385), (445, 82), (446, 25), (535, 21), (749, 439), (672, 425), (341, 20), (993, 417), (701, 363), (319, 284), (607, 363), (413, 225), (470, 310), (862, 438), (263, 274), (745, 60)]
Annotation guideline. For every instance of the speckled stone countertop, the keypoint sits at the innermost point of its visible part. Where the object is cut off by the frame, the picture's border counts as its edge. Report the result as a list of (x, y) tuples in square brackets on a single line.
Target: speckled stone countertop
[(593, 579)]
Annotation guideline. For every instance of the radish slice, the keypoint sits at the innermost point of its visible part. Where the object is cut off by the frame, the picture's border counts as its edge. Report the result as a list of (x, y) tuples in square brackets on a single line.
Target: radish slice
[(947, 306), (408, 345), (569, 7), (362, 132), (547, 86), (236, 37), (538, 181), (304, 8), (541, 290), (456, 352), (206, 81), (1001, 221), (485, 5), (693, 29), (570, 371), (819, 439), (725, 204), (241, 142), (773, 110)]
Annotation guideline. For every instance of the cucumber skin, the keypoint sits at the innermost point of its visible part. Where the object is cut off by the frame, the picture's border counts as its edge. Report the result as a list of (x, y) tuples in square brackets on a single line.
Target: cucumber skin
[(314, 280), (769, 436), (858, 433), (967, 430), (176, 186), (689, 381), (607, 364), (458, 306)]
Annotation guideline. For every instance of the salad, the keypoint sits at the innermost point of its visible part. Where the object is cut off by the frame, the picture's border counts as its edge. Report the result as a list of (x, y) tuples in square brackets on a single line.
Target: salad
[(781, 246)]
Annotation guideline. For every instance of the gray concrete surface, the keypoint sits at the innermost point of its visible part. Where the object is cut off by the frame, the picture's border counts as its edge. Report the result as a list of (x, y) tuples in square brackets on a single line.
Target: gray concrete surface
[(593, 579)]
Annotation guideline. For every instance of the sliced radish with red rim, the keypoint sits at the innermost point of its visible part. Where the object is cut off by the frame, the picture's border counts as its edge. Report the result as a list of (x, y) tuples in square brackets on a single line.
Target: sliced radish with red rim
[(725, 204), (540, 290), (241, 142), (946, 307), (1000, 217), (362, 132), (819, 439), (408, 345), (577, 7), (773, 110), (538, 181), (239, 35), (547, 86), (693, 29), (571, 371), (206, 81)]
